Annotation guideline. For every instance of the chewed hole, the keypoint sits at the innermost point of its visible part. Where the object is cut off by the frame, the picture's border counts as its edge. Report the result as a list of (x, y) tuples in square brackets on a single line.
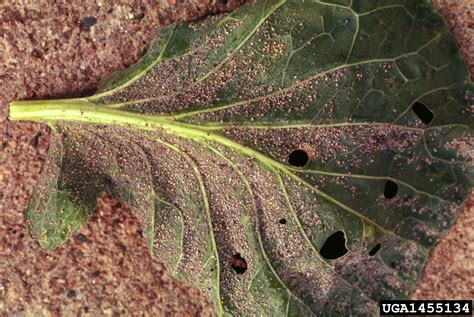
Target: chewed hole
[(298, 158), (282, 221), (422, 111), (375, 249), (238, 263), (391, 189), (334, 247)]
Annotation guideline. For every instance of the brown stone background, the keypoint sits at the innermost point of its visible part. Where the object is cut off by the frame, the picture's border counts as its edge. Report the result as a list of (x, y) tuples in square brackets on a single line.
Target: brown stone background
[(106, 270)]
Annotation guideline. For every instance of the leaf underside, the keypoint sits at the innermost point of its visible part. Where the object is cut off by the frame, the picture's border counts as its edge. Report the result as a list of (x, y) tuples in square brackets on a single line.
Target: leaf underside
[(375, 93)]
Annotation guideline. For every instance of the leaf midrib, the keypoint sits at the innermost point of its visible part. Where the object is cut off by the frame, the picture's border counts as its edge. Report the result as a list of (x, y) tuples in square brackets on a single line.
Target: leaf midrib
[(38, 110)]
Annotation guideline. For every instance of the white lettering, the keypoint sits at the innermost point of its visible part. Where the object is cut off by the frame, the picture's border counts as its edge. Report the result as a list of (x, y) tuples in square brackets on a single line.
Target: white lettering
[(386, 308), (395, 308), (465, 308), (404, 309)]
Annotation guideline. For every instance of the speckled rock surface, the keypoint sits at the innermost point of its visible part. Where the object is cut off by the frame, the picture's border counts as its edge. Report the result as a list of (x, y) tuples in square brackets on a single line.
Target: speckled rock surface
[(64, 50)]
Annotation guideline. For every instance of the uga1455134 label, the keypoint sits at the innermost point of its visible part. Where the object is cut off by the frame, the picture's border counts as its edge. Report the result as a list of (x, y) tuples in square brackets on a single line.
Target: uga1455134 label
[(426, 307)]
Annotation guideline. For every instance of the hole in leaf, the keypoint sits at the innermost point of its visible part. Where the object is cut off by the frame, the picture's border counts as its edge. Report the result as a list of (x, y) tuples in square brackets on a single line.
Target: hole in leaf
[(375, 249), (298, 158), (334, 247), (391, 189), (422, 111), (238, 263), (282, 221)]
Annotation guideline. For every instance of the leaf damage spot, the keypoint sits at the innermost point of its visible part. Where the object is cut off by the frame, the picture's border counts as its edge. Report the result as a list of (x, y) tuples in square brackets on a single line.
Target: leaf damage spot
[(423, 112), (238, 263), (298, 158), (375, 249), (334, 247), (391, 189)]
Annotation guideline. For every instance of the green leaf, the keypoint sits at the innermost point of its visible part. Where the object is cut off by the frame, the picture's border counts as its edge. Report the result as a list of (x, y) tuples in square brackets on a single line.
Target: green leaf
[(202, 136)]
